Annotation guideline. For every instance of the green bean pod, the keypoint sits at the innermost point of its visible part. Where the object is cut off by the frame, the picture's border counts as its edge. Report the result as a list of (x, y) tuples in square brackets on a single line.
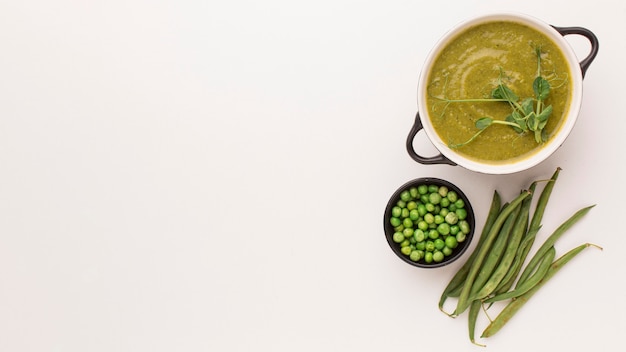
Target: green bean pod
[(472, 317), (540, 208), (464, 297), (456, 283), (456, 292), (549, 242), (542, 269), (515, 238), (495, 255), (542, 202), (511, 275), (515, 305)]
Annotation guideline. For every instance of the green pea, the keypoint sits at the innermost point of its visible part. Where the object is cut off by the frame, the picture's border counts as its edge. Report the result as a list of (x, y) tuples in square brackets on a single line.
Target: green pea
[(439, 244), (396, 211), (408, 232), (405, 213), (429, 218), (443, 191), (433, 233), (407, 222), (395, 221), (439, 219), (422, 225), (419, 235), (411, 205), (414, 215), (434, 198), (452, 196), (447, 251), (461, 213), (413, 192), (430, 246), (406, 250), (405, 196), (422, 189), (399, 228), (445, 202), (460, 237), (430, 207), (443, 229), (451, 218), (421, 209), (454, 229), (452, 207), (438, 256), (420, 246), (464, 226), (451, 242), (444, 211), (415, 255), (405, 243), (398, 237), (401, 203), (459, 203), (428, 257)]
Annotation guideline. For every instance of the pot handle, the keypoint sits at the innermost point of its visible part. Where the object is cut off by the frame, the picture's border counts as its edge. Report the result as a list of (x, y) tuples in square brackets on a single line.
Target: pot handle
[(584, 65), (437, 159)]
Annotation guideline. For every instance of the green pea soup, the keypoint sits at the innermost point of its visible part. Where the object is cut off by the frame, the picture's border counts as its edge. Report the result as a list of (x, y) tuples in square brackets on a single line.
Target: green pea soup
[(470, 67)]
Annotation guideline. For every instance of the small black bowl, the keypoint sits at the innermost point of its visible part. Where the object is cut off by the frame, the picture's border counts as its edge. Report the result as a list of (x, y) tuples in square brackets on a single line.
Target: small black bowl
[(390, 229)]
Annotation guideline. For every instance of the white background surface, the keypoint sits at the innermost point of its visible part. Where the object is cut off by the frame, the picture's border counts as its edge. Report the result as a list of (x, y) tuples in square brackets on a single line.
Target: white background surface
[(211, 176)]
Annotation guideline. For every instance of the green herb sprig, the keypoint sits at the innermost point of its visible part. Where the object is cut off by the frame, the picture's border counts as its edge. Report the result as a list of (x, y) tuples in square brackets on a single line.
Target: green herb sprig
[(528, 115)]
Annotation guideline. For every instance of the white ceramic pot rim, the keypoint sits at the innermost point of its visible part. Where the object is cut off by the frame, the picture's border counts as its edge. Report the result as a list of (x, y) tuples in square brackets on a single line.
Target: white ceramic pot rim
[(576, 75)]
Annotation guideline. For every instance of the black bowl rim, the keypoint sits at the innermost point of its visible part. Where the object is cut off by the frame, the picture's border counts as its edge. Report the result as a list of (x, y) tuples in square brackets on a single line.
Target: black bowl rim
[(389, 229)]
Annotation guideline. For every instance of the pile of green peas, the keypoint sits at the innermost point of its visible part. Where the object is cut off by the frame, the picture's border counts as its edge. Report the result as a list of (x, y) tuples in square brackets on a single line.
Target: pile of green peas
[(429, 222)]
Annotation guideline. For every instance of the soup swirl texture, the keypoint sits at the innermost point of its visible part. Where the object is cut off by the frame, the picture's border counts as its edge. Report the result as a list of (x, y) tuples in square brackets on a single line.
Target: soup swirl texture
[(472, 65)]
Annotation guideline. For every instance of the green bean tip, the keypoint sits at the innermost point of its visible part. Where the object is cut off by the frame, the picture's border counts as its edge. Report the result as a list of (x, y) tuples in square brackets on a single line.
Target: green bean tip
[(594, 245), (451, 315), (478, 344)]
